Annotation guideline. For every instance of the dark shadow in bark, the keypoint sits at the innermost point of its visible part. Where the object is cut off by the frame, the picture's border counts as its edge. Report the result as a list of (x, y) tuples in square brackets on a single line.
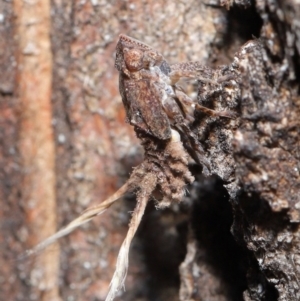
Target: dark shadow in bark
[(296, 63), (245, 23), (258, 286), (212, 219), (163, 234), (257, 212)]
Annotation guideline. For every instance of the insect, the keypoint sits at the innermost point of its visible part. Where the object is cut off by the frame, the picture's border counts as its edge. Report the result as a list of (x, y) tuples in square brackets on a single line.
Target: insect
[(161, 113)]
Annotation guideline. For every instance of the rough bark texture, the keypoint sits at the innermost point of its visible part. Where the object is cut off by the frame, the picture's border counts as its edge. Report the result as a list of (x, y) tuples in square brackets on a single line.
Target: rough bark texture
[(236, 235)]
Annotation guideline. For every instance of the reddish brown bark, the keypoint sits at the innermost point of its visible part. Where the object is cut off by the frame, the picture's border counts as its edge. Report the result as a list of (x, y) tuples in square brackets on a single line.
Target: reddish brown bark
[(95, 151), (36, 143)]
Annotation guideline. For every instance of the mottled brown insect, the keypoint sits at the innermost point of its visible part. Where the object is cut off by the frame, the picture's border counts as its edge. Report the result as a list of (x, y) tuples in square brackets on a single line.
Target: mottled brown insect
[(153, 101), (161, 114)]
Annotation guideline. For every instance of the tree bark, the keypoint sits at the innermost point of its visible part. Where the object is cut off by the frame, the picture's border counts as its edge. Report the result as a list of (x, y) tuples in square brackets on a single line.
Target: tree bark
[(65, 145), (35, 140)]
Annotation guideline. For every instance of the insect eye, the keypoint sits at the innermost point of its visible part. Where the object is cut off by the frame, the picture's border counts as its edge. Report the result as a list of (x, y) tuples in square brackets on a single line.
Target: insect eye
[(133, 59)]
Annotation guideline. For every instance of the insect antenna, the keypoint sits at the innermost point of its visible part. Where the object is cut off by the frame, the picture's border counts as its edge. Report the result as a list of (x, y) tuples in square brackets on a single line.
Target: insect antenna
[(85, 217), (147, 186)]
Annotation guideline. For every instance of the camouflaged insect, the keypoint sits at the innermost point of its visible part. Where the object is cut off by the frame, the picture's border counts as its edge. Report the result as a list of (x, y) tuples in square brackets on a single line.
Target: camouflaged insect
[(161, 114)]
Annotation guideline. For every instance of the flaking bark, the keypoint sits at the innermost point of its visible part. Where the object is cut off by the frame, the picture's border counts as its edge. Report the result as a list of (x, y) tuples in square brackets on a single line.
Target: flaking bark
[(254, 158)]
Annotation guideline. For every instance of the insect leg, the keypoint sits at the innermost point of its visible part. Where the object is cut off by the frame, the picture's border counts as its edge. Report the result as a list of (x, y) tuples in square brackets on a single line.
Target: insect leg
[(175, 114), (192, 70), (190, 106)]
